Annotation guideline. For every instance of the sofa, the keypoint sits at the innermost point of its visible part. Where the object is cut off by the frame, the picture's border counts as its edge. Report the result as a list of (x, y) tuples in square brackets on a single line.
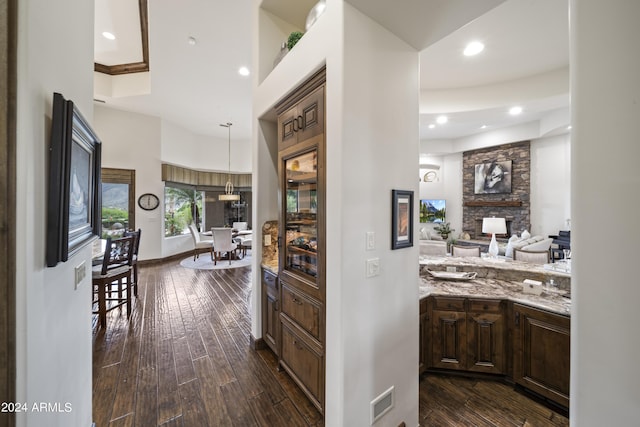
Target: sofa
[(533, 243), (431, 243)]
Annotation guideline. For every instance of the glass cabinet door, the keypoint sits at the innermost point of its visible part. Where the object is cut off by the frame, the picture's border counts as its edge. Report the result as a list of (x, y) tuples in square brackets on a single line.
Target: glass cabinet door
[(300, 219)]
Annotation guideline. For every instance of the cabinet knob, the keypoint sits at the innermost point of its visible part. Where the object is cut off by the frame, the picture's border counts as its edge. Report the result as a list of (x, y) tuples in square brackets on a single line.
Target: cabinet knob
[(296, 300), (486, 307)]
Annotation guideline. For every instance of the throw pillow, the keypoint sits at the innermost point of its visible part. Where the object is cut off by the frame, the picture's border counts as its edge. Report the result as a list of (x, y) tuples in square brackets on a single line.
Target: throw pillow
[(525, 234)]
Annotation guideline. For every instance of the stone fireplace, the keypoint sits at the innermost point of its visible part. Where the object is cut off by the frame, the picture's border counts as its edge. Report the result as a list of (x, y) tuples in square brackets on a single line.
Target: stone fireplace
[(513, 206)]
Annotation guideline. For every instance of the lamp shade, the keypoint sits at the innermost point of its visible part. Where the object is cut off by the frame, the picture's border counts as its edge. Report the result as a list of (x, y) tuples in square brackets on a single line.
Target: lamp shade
[(494, 225)]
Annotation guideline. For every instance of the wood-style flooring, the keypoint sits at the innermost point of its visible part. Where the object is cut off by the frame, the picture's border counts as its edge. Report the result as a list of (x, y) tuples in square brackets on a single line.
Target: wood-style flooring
[(183, 359)]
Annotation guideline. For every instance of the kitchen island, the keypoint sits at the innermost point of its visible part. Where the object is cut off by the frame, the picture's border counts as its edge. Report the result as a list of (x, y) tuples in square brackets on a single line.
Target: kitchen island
[(489, 326)]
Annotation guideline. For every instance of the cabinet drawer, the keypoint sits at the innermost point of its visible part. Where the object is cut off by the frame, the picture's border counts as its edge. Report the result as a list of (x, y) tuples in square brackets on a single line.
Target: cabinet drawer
[(269, 278), (302, 310), (485, 306), (303, 362), (453, 304)]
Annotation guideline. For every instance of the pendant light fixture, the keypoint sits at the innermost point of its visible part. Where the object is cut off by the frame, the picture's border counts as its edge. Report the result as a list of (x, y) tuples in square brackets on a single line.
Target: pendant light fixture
[(228, 195)]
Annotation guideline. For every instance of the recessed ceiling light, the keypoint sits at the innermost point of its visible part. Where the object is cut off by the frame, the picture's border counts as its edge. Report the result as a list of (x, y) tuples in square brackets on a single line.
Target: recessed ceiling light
[(108, 35), (192, 41), (243, 71), (431, 126), (442, 120), (473, 48), (514, 111), (569, 127), (483, 127)]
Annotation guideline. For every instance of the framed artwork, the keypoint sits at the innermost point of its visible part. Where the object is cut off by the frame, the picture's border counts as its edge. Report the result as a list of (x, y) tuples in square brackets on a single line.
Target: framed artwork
[(73, 211), (493, 177), (401, 219)]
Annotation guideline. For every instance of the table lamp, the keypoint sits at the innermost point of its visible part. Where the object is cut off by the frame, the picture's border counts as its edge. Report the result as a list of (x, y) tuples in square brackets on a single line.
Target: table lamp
[(494, 226)]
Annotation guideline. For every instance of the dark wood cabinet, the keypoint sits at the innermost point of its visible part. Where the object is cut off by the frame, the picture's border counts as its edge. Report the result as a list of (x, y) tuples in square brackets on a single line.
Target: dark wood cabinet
[(424, 337), (303, 120), (270, 310), (467, 334), (301, 248), (541, 351), (486, 336)]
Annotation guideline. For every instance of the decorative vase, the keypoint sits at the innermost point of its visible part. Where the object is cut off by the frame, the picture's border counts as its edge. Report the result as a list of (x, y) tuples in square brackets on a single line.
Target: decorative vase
[(315, 13)]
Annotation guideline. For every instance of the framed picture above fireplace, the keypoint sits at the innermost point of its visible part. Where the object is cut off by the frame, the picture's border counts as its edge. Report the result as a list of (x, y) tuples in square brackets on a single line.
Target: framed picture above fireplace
[(493, 177)]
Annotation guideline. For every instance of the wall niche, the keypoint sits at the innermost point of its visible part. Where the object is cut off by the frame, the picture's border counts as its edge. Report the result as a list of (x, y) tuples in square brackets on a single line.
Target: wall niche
[(513, 205)]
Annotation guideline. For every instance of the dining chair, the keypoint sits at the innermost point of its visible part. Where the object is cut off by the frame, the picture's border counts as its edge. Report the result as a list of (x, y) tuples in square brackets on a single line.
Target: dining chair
[(115, 270), (532, 257), (134, 260), (199, 242), (223, 242), (464, 251)]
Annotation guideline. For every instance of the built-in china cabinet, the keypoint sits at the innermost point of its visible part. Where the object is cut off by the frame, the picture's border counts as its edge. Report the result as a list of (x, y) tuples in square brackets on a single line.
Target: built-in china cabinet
[(301, 275)]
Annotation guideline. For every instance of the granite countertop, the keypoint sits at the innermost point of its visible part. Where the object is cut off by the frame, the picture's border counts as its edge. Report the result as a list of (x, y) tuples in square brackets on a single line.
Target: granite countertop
[(270, 265), (501, 268), (551, 300)]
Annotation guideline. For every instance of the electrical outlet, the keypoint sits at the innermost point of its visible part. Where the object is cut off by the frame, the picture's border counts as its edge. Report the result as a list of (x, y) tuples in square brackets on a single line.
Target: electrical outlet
[(371, 240), (80, 273), (267, 240), (373, 267)]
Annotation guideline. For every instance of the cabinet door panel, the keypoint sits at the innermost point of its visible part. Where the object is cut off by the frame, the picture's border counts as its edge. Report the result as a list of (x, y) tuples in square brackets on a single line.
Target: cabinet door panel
[(303, 362), (542, 352), (311, 115), (270, 314), (301, 309), (486, 337), (287, 128), (449, 339)]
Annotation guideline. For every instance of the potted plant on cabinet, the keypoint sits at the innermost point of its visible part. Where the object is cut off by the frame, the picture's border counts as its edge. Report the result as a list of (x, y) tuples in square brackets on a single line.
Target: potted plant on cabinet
[(444, 230)]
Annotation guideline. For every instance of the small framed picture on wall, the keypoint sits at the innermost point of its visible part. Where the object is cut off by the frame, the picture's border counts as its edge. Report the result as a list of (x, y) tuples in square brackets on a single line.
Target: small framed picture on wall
[(401, 219)]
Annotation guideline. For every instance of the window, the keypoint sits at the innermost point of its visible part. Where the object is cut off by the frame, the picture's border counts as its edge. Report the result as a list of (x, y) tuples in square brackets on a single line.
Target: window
[(182, 206), (118, 201)]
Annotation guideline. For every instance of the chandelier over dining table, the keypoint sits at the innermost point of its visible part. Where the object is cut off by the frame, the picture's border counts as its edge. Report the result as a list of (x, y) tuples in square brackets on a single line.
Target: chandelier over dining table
[(228, 188)]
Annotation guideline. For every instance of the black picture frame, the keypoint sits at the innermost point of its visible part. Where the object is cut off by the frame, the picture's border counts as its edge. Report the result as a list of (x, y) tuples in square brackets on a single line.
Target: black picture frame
[(401, 219), (74, 197)]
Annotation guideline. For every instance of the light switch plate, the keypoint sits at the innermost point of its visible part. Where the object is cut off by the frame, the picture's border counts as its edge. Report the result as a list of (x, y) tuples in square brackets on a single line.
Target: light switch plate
[(371, 240), (80, 273), (267, 240), (373, 267)]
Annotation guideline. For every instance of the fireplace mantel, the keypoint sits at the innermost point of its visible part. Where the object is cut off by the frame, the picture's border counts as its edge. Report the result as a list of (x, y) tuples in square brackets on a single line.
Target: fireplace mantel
[(491, 203)]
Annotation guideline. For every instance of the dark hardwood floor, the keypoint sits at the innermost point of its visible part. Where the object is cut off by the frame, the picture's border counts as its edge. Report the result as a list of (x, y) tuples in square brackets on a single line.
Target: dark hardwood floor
[(183, 359)]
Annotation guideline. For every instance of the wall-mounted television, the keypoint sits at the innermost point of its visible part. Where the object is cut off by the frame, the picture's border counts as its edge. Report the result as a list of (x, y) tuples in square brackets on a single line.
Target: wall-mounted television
[(432, 210)]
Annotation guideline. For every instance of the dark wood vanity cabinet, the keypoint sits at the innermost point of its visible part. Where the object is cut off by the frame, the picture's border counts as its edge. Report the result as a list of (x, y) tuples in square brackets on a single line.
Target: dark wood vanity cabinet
[(476, 335), (270, 310), (541, 351), (301, 243), (467, 334)]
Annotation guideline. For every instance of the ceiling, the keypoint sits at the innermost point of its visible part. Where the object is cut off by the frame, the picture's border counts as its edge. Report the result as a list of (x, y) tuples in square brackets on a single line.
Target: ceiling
[(197, 86)]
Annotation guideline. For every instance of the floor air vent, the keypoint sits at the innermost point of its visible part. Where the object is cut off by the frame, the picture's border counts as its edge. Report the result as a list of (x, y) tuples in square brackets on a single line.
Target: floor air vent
[(382, 404)]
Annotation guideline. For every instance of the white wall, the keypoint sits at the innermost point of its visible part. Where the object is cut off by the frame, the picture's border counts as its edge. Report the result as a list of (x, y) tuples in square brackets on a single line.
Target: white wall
[(550, 175), (605, 344), (379, 149), (550, 184), (53, 320), (143, 143), (184, 148), (372, 147), (132, 141)]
